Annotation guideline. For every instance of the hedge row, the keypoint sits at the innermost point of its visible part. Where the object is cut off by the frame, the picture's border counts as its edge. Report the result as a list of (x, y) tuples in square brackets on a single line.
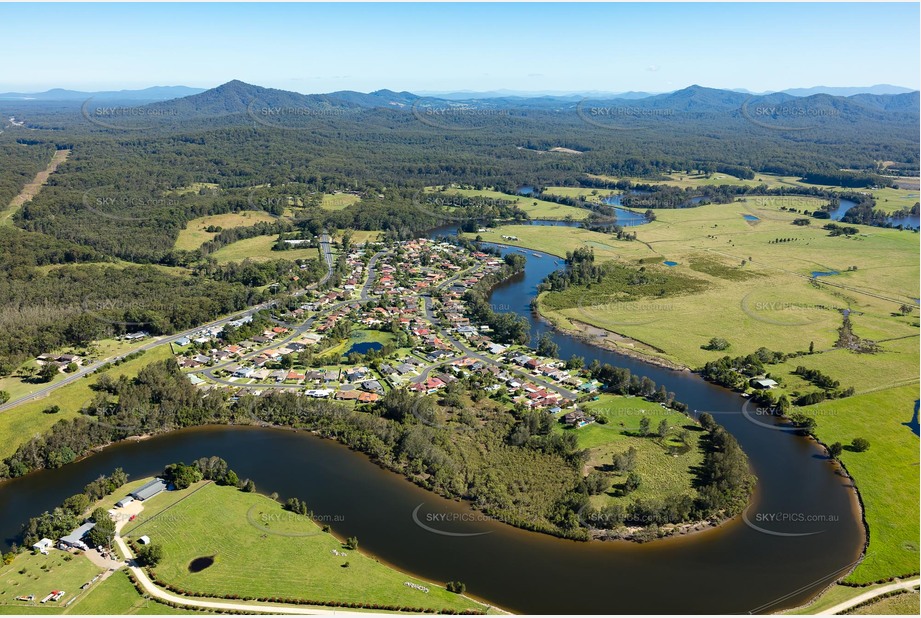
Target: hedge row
[(289, 601)]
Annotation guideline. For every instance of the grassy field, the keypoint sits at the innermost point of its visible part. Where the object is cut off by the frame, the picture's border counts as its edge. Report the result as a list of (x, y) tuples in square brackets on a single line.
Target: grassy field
[(563, 239), (895, 365), (589, 195), (259, 249), (663, 474), (97, 350), (19, 424), (338, 201), (30, 190), (195, 187), (39, 575), (769, 299), (906, 604), (117, 595), (194, 234), (359, 236), (832, 596), (536, 209), (260, 551), (888, 199), (886, 475)]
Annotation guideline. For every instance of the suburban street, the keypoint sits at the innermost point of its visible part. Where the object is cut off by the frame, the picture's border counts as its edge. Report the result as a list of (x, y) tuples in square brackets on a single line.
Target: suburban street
[(325, 250)]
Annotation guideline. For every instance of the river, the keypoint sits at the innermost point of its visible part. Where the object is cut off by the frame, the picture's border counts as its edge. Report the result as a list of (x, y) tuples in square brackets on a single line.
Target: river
[(730, 569), (909, 221)]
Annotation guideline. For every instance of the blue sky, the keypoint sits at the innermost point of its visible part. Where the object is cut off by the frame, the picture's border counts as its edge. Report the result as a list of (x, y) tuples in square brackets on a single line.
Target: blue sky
[(436, 47)]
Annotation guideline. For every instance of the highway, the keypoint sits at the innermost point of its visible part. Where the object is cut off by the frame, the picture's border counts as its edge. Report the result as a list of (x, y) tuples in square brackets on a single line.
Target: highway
[(326, 251)]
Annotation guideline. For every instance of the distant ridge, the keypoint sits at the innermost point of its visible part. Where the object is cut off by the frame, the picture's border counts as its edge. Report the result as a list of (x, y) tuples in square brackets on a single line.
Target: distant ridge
[(239, 98), (846, 91), (402, 99), (154, 93)]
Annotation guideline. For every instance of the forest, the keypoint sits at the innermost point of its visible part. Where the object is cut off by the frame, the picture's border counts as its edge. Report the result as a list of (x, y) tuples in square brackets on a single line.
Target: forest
[(122, 198), (506, 459)]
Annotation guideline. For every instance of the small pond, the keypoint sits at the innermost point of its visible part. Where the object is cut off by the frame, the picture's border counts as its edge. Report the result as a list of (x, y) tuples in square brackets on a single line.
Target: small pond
[(364, 347), (200, 564)]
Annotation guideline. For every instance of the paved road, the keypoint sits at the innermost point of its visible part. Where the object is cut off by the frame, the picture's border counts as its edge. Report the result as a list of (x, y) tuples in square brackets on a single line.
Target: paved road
[(866, 596), (247, 606), (91, 367), (427, 301)]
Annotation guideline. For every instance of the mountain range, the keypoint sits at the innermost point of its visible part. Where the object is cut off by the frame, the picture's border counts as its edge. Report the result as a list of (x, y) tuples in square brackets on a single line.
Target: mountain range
[(237, 97), (154, 93), (373, 99)]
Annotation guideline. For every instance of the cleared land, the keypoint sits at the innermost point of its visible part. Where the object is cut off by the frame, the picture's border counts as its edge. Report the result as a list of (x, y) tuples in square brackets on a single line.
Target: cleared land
[(589, 195), (194, 234), (359, 236), (888, 199), (261, 550), (117, 595), (29, 419), (338, 201), (886, 475), (663, 472), (769, 299), (31, 190), (831, 597), (536, 209), (38, 574), (195, 187), (906, 604), (259, 249)]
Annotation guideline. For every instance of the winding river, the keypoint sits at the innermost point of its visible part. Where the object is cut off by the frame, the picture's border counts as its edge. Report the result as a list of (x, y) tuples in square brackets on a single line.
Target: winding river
[(802, 532)]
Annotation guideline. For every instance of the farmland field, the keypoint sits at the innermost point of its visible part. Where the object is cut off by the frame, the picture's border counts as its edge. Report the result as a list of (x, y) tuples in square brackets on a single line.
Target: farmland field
[(905, 603), (39, 574), (590, 195), (338, 201), (886, 475), (663, 474), (259, 249), (757, 289), (195, 234), (29, 419), (248, 534), (536, 209)]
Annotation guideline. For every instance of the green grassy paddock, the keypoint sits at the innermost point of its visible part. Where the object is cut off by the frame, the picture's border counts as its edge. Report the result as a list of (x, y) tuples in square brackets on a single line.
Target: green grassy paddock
[(260, 550)]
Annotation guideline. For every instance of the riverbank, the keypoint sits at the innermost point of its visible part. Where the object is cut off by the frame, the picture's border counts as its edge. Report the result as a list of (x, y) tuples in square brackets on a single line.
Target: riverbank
[(291, 553), (607, 339)]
